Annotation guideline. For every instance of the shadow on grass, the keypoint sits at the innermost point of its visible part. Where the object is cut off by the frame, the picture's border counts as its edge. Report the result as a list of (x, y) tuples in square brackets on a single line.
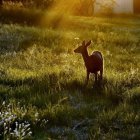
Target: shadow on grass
[(21, 16), (107, 88), (54, 83), (15, 83)]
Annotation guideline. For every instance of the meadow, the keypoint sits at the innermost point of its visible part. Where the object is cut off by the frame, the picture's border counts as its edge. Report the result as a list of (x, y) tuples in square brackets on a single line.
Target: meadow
[(42, 93)]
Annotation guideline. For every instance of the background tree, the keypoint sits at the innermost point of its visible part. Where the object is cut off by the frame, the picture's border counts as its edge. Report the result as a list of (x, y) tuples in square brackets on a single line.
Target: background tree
[(1, 2)]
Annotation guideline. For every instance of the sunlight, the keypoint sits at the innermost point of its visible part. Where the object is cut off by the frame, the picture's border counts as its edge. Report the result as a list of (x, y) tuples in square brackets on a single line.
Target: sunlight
[(61, 10)]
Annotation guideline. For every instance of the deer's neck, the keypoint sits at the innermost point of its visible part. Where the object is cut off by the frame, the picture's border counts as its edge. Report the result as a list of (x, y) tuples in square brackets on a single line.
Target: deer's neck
[(85, 57)]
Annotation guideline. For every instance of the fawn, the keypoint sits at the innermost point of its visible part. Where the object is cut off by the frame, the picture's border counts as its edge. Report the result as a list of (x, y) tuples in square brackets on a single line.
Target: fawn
[(93, 63)]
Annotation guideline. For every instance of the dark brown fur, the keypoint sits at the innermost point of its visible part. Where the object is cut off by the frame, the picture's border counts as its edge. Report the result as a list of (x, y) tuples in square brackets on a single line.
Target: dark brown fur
[(93, 63)]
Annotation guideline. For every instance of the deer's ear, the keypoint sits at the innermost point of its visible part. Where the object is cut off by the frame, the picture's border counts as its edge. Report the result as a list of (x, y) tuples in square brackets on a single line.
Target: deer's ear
[(83, 43), (88, 43)]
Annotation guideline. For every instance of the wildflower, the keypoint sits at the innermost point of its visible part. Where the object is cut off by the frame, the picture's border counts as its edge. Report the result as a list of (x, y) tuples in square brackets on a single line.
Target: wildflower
[(2, 122), (36, 114), (3, 103), (76, 38)]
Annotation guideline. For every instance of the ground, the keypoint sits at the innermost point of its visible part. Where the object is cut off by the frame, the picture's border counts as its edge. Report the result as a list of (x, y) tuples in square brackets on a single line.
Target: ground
[(42, 79)]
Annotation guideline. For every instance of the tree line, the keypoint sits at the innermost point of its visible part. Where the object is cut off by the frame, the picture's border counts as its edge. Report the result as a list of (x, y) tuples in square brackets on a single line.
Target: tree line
[(83, 7), (37, 3)]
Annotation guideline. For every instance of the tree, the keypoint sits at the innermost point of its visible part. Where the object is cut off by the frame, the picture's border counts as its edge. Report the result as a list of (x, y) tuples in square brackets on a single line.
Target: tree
[(1, 2), (136, 6), (85, 7), (105, 7)]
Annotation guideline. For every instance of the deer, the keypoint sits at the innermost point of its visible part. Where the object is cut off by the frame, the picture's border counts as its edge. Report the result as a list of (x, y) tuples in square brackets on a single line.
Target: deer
[(93, 62)]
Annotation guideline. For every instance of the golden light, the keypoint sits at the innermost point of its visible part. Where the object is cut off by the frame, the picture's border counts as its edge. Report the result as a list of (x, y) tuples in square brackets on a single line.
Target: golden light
[(62, 10)]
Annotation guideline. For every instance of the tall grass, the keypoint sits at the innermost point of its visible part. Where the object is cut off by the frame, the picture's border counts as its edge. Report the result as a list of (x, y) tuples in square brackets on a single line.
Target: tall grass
[(42, 79)]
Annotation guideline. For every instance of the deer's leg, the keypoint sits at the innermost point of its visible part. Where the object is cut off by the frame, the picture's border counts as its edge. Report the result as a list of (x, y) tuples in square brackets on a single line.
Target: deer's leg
[(101, 74), (87, 78), (96, 76)]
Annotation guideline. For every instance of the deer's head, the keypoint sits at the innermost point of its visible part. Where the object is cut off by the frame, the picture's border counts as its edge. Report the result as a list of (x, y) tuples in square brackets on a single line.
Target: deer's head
[(82, 48)]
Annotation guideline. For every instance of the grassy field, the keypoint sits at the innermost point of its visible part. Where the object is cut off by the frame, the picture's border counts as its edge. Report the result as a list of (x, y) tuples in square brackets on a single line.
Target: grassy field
[(42, 93)]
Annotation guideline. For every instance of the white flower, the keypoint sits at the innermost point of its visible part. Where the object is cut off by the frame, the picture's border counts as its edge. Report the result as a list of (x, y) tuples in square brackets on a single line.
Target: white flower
[(36, 114), (76, 38), (3, 103), (1, 122)]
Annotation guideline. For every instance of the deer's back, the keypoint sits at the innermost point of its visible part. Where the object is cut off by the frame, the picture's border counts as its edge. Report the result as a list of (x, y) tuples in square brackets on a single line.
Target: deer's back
[(95, 62)]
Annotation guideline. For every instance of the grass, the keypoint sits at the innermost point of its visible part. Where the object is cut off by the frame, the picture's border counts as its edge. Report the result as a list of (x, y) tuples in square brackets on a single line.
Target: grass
[(43, 80)]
